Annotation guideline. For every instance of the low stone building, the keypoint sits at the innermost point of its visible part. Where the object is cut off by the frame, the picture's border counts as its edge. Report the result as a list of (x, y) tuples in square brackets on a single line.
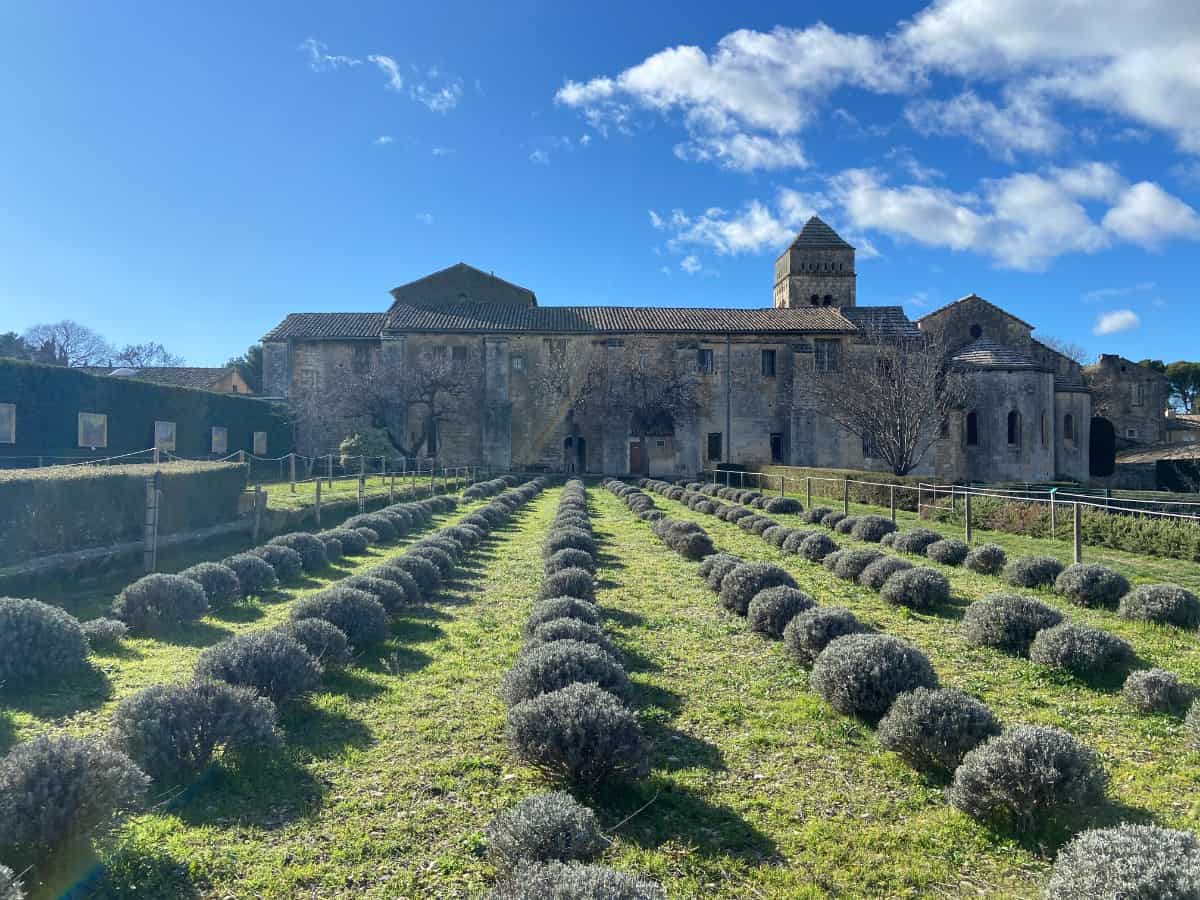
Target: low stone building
[(219, 380), (469, 368)]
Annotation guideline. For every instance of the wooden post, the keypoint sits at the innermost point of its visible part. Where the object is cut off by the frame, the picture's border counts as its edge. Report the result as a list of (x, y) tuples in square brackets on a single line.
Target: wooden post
[(1053, 515), (258, 505), (392, 490), (362, 502), (892, 501), (967, 517), (242, 457), (918, 499), (432, 478), (150, 526), (330, 471), (156, 456), (781, 480), (846, 496), (808, 492), (318, 504), (1079, 534), (362, 465), (292, 469)]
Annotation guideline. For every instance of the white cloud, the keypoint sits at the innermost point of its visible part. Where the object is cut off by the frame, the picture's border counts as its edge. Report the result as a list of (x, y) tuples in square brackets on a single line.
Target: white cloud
[(1143, 287), (390, 68), (753, 229), (691, 264), (425, 218), (430, 88), (1147, 215), (442, 151), (319, 58), (383, 140), (744, 152), (1116, 321), (439, 99), (541, 157), (1022, 124), (584, 140)]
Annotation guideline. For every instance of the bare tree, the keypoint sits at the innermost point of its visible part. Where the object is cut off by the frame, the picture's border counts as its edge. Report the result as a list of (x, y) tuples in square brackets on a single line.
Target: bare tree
[(70, 343), (1070, 350), (893, 392), (143, 356)]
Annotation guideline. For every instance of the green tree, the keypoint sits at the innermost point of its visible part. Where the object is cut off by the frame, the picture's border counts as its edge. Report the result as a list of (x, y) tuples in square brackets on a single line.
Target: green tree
[(1155, 364), (250, 365), (1185, 385), (13, 346)]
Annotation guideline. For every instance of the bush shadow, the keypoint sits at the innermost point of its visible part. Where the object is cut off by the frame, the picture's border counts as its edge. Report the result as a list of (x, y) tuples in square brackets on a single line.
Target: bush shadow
[(192, 634), (135, 872), (348, 683), (622, 617), (394, 661), (634, 661), (239, 613), (410, 631), (264, 791), (8, 733), (1054, 832), (675, 750), (87, 689), (321, 733)]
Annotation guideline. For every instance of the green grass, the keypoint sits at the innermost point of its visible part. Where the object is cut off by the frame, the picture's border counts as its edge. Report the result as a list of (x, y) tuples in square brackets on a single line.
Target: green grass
[(758, 789), (281, 496)]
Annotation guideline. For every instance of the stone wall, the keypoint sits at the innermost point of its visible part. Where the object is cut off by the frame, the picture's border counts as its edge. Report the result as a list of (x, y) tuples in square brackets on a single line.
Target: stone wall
[(1132, 397), (801, 273)]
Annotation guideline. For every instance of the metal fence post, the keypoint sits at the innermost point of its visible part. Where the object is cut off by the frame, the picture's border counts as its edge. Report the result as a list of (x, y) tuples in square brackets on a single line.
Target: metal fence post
[(846, 496), (1078, 531), (318, 503), (892, 501), (967, 516), (150, 527), (1053, 515), (292, 467), (258, 505)]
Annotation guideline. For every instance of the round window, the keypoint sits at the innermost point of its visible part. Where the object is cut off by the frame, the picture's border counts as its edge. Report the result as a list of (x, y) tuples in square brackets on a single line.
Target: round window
[(976, 331)]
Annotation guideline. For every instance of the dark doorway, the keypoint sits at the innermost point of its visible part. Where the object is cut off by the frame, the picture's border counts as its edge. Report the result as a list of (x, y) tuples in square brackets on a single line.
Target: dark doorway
[(639, 460), (1102, 448), (580, 454), (777, 453)]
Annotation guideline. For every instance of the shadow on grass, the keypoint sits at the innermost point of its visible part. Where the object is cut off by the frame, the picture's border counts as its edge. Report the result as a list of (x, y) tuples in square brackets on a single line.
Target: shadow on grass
[(86, 689), (651, 813), (675, 750), (237, 613), (395, 661), (264, 791), (1049, 836), (650, 696), (622, 617), (135, 872), (193, 634), (348, 683), (410, 631), (635, 661)]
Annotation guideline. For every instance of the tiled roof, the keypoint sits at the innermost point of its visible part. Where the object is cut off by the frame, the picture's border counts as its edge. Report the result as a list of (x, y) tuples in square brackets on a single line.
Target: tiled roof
[(976, 298), (1069, 384), (816, 233), (178, 376), (986, 353), (1157, 452), (883, 319), (327, 326), (1183, 422)]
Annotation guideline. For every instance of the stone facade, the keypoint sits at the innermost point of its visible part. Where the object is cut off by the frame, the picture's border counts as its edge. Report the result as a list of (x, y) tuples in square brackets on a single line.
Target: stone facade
[(1029, 420), (1134, 398)]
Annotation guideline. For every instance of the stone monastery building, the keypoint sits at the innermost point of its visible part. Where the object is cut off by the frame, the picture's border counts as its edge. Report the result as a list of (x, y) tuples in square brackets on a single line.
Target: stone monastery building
[(1031, 417)]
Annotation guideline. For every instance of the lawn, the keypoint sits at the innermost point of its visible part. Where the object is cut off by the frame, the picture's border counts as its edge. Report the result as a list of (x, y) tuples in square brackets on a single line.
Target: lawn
[(758, 789), (281, 496)]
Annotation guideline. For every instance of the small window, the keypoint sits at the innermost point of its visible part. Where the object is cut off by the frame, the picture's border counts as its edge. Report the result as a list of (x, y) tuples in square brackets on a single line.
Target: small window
[(220, 440), (768, 363), (1131, 432), (260, 443), (360, 363), (714, 446), (93, 430), (660, 443), (944, 428), (1014, 429), (815, 300), (164, 436), (976, 332), (1138, 390), (8, 423), (440, 353), (1043, 427), (704, 361), (458, 356), (826, 355), (777, 448), (1068, 427), (431, 436), (518, 362), (828, 301), (972, 429)]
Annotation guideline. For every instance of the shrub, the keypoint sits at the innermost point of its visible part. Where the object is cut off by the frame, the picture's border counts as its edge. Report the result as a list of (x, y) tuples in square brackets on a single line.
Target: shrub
[(811, 631), (38, 640), (160, 601), (442, 541), (694, 545), (1079, 649), (436, 555), (570, 558), (918, 588), (173, 730), (748, 523), (381, 525), (1025, 772), (948, 552), (862, 674), (370, 535), (324, 642), (423, 572), (569, 583), (934, 729), (914, 541), (986, 559), (771, 609), (782, 506), (562, 538), (102, 631), (1032, 571), (875, 575), (1156, 690), (567, 881), (791, 543), (268, 661), (567, 629), (561, 608), (359, 615), (830, 520), (581, 733), (56, 788), (737, 513), (1164, 604), (398, 577), (391, 596), (816, 513), (310, 548), (220, 583), (776, 534), (1087, 584), (1191, 723), (545, 827), (851, 563), (1007, 622), (740, 586), (872, 528), (552, 666), (845, 525), (10, 886), (254, 573), (889, 539), (286, 562), (817, 546), (333, 547), (1129, 862)]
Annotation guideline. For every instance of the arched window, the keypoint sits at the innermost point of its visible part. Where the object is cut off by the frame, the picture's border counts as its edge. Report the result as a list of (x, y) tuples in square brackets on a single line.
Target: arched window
[(1043, 429), (828, 299), (1014, 429), (815, 300), (972, 429), (1068, 427), (976, 332)]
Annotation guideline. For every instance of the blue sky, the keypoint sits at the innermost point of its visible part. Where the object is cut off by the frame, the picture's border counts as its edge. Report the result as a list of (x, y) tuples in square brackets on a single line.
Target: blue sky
[(190, 173)]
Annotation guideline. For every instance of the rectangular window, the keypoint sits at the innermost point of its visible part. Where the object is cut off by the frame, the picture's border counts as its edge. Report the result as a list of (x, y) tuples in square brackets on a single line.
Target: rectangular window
[(826, 355), (777, 448), (431, 436), (220, 440), (8, 423), (260, 443), (361, 362), (164, 436), (93, 430), (704, 362), (1131, 432), (768, 363), (1139, 393), (518, 362), (869, 447), (308, 379), (440, 353), (458, 356), (714, 446)]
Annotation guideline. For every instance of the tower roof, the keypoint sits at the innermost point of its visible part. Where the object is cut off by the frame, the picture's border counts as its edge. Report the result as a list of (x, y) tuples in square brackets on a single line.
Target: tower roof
[(816, 233)]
